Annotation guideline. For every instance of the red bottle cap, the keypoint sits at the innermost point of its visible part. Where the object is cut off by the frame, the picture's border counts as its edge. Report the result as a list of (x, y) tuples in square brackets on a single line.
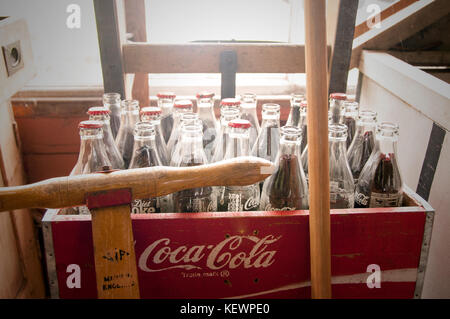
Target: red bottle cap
[(166, 95), (230, 102), (98, 110), (304, 103), (182, 104), (204, 95), (239, 123), (90, 124), (338, 96), (151, 110)]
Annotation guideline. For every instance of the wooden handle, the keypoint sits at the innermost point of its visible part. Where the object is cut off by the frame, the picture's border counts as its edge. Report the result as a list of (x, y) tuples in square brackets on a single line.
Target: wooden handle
[(70, 191), (319, 181)]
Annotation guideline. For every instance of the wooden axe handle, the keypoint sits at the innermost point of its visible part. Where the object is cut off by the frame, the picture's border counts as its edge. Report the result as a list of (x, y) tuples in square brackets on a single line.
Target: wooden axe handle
[(70, 191)]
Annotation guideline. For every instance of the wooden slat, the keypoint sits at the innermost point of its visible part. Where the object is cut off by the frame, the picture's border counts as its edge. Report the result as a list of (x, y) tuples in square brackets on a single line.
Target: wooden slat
[(205, 58), (423, 58), (399, 26)]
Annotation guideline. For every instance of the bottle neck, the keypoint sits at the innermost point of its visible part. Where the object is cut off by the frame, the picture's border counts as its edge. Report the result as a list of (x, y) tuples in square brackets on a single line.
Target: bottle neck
[(238, 143), (289, 147), (386, 145)]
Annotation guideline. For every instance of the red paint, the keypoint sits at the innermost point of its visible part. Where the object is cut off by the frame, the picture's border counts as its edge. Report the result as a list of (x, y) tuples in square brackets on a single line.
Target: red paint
[(390, 238)]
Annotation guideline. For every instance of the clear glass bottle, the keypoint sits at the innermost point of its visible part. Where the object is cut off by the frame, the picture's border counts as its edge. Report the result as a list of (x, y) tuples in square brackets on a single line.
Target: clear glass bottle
[(286, 188), (363, 143), (211, 127), (180, 107), (192, 154), (92, 157), (165, 102), (145, 154), (226, 115), (125, 138), (112, 102), (337, 107), (380, 182), (294, 118), (152, 114), (341, 180), (350, 118), (187, 119), (248, 112), (267, 143), (238, 198), (230, 103), (100, 113)]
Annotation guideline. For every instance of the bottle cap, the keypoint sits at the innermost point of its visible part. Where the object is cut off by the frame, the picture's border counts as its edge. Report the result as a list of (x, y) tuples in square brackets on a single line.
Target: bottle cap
[(90, 124), (239, 123), (304, 103), (98, 110), (151, 110), (338, 96), (205, 95), (230, 102), (183, 104), (166, 95)]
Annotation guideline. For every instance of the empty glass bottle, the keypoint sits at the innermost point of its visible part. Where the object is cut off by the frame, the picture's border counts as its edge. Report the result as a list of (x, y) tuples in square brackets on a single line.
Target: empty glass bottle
[(152, 114), (180, 107), (226, 115), (294, 118), (266, 145), (230, 103), (124, 139), (238, 198), (92, 157), (380, 182), (341, 179), (286, 188), (112, 102), (337, 107), (248, 112), (100, 113), (145, 154), (192, 154), (187, 119), (165, 102), (350, 118), (363, 143), (211, 127)]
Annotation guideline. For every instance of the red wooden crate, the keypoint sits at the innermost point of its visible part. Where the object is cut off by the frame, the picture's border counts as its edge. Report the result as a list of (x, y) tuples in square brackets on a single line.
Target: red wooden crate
[(252, 254)]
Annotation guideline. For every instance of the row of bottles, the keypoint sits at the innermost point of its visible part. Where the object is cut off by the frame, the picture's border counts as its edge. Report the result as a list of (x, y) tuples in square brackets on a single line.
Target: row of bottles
[(171, 134)]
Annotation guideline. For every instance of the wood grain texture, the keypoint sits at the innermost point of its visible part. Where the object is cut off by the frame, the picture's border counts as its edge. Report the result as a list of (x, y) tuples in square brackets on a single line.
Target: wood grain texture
[(319, 201), (205, 58), (144, 182)]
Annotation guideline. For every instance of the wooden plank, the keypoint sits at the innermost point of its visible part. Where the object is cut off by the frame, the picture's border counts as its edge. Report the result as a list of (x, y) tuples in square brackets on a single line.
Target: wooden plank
[(342, 46), (399, 27), (319, 197), (422, 91), (423, 58), (205, 57), (111, 35)]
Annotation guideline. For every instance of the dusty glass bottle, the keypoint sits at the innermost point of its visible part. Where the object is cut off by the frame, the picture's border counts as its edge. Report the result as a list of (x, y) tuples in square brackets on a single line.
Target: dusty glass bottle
[(187, 119), (180, 107), (92, 156), (211, 127), (238, 198), (165, 102), (112, 102), (286, 188), (380, 182), (125, 139), (248, 112), (192, 154), (341, 180), (294, 118), (337, 107), (363, 143), (226, 115), (350, 118), (100, 113), (152, 114), (267, 143)]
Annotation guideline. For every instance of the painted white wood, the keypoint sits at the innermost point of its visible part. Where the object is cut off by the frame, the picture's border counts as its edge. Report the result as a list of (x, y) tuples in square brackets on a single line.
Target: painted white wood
[(414, 128), (437, 275)]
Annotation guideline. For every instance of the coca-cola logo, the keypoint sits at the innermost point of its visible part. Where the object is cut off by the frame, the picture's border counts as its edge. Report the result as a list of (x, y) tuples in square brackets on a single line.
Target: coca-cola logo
[(269, 208), (232, 252)]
